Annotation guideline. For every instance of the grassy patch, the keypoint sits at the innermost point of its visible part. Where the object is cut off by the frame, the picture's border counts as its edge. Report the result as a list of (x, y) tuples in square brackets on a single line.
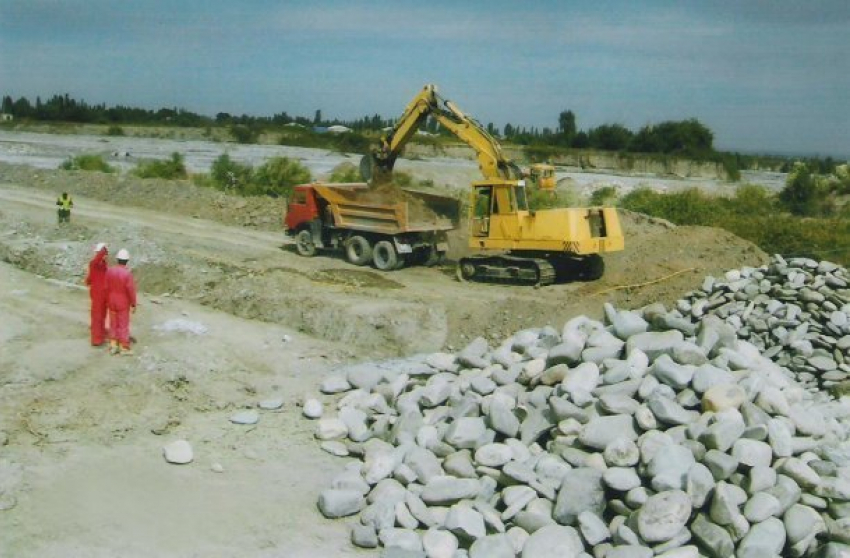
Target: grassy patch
[(87, 163), (754, 214), (170, 169)]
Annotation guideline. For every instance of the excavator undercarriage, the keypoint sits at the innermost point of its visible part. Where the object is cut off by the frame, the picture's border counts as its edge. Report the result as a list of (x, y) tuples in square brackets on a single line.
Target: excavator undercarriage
[(520, 268)]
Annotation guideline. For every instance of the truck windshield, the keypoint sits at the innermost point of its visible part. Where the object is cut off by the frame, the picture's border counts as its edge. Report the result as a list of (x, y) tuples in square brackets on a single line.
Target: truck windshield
[(299, 197), (521, 199)]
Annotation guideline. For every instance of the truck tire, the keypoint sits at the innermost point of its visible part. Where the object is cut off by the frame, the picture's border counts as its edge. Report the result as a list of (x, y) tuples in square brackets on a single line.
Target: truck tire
[(384, 256), (304, 243), (358, 250)]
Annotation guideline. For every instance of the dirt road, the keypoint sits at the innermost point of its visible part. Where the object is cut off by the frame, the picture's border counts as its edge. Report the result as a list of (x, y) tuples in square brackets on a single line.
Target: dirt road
[(82, 474)]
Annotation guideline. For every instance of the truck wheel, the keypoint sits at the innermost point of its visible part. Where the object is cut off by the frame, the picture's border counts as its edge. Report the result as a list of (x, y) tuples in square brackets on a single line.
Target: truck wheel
[(384, 256), (304, 243), (358, 250)]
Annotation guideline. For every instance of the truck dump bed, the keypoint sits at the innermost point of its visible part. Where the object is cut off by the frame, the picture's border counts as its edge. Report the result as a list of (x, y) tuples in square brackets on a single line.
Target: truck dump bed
[(389, 211)]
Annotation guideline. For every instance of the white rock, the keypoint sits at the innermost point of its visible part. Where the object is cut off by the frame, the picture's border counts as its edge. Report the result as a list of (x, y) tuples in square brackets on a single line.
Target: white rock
[(330, 429), (272, 404), (313, 409), (245, 417), (178, 452)]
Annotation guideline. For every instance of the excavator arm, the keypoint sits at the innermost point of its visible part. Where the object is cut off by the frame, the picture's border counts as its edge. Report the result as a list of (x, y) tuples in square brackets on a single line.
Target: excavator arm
[(378, 166)]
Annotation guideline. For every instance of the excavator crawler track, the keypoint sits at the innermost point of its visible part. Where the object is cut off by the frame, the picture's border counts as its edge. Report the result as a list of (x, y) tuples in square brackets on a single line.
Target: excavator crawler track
[(510, 270)]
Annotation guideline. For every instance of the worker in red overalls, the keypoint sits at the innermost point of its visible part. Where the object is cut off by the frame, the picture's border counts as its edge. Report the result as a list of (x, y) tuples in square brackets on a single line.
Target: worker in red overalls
[(96, 280), (121, 299)]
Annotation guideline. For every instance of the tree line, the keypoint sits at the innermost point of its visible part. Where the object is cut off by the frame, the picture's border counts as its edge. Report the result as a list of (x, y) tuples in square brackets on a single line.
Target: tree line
[(686, 138)]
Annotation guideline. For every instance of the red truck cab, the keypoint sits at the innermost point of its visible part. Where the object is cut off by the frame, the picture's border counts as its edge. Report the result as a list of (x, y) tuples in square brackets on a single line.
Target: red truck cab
[(302, 208)]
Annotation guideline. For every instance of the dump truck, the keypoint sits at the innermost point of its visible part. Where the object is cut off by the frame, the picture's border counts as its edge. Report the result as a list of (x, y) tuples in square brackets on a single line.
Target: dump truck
[(389, 228)]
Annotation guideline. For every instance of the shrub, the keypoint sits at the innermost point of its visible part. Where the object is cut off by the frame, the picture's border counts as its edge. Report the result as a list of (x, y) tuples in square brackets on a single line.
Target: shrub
[(228, 174), (800, 191), (87, 163), (606, 195), (690, 206), (170, 169), (277, 177), (115, 130), (754, 214), (345, 172), (244, 134)]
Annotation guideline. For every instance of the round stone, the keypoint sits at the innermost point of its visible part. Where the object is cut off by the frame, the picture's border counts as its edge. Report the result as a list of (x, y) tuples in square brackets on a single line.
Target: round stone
[(312, 409), (664, 515)]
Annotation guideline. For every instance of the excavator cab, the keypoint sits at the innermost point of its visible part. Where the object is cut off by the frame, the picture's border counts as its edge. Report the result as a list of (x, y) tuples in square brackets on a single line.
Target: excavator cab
[(501, 202), (542, 175)]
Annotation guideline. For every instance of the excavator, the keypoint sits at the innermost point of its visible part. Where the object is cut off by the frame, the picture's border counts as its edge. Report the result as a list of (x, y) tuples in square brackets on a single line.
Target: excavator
[(510, 243)]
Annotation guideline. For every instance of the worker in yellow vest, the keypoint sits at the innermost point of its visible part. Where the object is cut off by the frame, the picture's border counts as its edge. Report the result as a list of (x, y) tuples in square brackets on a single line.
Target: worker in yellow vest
[(65, 204)]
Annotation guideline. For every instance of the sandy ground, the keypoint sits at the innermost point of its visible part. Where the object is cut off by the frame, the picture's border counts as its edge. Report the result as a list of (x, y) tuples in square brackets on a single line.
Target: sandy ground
[(82, 473), (85, 467)]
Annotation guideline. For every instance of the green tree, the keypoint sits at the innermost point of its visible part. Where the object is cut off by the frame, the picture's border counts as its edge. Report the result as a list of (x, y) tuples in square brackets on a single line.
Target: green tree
[(567, 127), (611, 137)]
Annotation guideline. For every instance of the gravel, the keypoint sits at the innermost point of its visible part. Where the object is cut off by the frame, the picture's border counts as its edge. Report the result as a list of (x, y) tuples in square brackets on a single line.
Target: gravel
[(678, 433)]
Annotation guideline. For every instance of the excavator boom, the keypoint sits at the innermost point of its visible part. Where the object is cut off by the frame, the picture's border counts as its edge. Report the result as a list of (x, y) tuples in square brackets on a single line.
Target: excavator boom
[(491, 161)]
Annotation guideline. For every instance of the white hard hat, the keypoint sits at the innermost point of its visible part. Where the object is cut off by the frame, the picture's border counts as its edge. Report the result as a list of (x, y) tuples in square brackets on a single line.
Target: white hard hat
[(123, 254), (99, 246)]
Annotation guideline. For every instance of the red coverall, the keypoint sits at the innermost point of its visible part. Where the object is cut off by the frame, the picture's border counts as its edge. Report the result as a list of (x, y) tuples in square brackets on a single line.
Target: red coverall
[(121, 298), (96, 280)]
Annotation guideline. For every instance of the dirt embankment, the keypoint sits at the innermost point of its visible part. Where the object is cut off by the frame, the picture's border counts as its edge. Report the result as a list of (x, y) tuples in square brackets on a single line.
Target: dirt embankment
[(178, 197)]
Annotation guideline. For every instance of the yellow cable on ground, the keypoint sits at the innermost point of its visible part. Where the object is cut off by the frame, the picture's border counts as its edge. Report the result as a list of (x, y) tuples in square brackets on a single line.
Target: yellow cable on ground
[(637, 285)]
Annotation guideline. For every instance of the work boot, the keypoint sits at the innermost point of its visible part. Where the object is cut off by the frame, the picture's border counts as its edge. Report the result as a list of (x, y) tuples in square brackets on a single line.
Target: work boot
[(113, 347)]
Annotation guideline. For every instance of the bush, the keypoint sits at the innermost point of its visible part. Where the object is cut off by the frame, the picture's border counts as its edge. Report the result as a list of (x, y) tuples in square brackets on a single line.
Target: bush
[(607, 195), (345, 172), (87, 163), (277, 177), (170, 169), (690, 206), (115, 130), (227, 174), (244, 134), (754, 214), (800, 191)]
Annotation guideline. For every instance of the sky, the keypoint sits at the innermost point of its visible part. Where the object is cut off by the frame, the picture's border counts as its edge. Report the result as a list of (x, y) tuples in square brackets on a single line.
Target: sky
[(765, 76)]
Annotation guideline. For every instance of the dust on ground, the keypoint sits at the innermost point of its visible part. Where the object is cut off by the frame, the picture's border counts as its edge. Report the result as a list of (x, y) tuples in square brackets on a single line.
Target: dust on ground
[(83, 464)]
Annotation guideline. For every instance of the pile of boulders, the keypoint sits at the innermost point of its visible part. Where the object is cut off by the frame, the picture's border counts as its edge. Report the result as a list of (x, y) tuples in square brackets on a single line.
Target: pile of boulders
[(644, 435), (797, 312)]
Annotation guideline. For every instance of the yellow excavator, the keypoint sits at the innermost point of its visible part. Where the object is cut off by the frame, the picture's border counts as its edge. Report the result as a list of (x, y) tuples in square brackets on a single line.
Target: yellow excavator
[(516, 244)]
